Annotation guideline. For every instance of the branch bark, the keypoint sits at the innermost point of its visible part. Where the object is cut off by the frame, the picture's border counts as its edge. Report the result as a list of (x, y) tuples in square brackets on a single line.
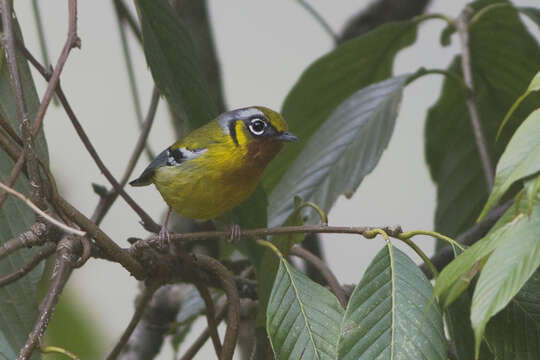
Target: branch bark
[(66, 255), (462, 25)]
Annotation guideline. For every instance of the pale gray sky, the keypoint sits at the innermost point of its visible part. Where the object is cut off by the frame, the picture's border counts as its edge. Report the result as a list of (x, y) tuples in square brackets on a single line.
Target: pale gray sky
[(263, 47)]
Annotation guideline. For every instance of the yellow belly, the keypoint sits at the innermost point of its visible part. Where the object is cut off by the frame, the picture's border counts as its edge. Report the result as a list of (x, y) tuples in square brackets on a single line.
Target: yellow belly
[(195, 191)]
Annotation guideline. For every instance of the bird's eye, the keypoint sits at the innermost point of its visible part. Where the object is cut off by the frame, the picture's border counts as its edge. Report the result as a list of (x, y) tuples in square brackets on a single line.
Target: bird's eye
[(257, 126)]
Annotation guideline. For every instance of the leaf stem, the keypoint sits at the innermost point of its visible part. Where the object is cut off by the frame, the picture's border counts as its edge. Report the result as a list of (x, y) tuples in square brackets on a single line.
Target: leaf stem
[(58, 350), (320, 19), (422, 255), (409, 234)]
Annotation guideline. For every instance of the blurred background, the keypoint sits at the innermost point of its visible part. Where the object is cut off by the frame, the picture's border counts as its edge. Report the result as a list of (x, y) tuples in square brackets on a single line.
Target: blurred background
[(263, 47)]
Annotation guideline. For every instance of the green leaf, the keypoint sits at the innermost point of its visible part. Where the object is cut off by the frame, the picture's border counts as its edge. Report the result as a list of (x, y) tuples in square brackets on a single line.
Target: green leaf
[(457, 275), (303, 318), (504, 58), (385, 317), (171, 56), (531, 187), (18, 299), (535, 83), (344, 149), (512, 263), (514, 333), (520, 159), (6, 353), (269, 265), (457, 319), (332, 79)]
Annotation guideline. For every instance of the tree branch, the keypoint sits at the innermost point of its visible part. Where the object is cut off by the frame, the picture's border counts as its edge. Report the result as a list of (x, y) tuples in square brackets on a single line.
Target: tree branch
[(137, 315), (233, 302), (42, 254), (34, 236), (108, 200), (210, 316), (463, 31), (147, 221), (66, 256), (197, 345)]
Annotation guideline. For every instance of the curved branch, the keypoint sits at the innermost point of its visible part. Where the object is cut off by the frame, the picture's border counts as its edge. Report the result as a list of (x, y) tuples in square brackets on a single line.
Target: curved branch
[(233, 302), (137, 315), (320, 265)]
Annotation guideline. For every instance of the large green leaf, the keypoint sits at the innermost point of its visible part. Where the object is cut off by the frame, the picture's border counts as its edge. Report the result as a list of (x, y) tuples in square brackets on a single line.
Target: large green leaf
[(457, 275), (520, 159), (171, 56), (344, 149), (18, 301), (504, 58), (514, 333), (303, 318), (509, 267), (331, 80), (386, 318)]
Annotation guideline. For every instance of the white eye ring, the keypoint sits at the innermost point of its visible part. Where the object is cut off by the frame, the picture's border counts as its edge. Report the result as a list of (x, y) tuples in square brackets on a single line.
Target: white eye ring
[(257, 126)]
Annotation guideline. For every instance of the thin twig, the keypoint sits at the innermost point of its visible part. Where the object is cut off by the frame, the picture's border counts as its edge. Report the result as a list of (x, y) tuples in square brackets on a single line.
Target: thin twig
[(108, 200), (7, 127), (40, 212), (210, 316), (65, 259), (233, 302), (9, 146), (463, 31), (197, 345), (15, 171), (324, 270), (32, 237), (129, 18), (393, 231), (128, 62), (43, 253), (146, 220), (137, 315), (71, 42)]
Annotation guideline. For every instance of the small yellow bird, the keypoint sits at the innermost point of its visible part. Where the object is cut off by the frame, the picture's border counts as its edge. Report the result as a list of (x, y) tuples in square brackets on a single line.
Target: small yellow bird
[(217, 166)]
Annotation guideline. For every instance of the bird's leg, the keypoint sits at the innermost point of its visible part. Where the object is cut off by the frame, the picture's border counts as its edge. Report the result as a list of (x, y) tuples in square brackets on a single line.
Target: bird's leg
[(164, 236), (236, 233)]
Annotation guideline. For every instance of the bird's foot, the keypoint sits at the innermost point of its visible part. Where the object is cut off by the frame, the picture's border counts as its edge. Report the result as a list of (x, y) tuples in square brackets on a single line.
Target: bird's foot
[(236, 233), (163, 238)]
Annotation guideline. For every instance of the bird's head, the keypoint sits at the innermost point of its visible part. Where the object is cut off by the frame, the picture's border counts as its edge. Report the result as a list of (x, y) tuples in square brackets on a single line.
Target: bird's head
[(258, 130)]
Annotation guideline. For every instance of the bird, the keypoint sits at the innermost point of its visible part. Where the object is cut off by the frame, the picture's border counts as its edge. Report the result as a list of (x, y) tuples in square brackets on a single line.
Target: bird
[(217, 166)]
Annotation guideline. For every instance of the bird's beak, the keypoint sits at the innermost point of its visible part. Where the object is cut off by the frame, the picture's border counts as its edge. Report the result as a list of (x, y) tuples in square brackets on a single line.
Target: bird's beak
[(287, 136)]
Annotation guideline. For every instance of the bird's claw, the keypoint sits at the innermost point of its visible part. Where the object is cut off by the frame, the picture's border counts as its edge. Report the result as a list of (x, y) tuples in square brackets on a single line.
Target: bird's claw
[(236, 233)]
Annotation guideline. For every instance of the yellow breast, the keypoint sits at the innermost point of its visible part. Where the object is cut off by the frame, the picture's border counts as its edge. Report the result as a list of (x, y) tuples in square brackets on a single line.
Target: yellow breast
[(218, 180)]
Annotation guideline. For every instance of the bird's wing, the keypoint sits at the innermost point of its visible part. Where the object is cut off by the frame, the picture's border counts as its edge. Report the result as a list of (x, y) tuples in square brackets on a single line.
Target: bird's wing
[(169, 157)]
